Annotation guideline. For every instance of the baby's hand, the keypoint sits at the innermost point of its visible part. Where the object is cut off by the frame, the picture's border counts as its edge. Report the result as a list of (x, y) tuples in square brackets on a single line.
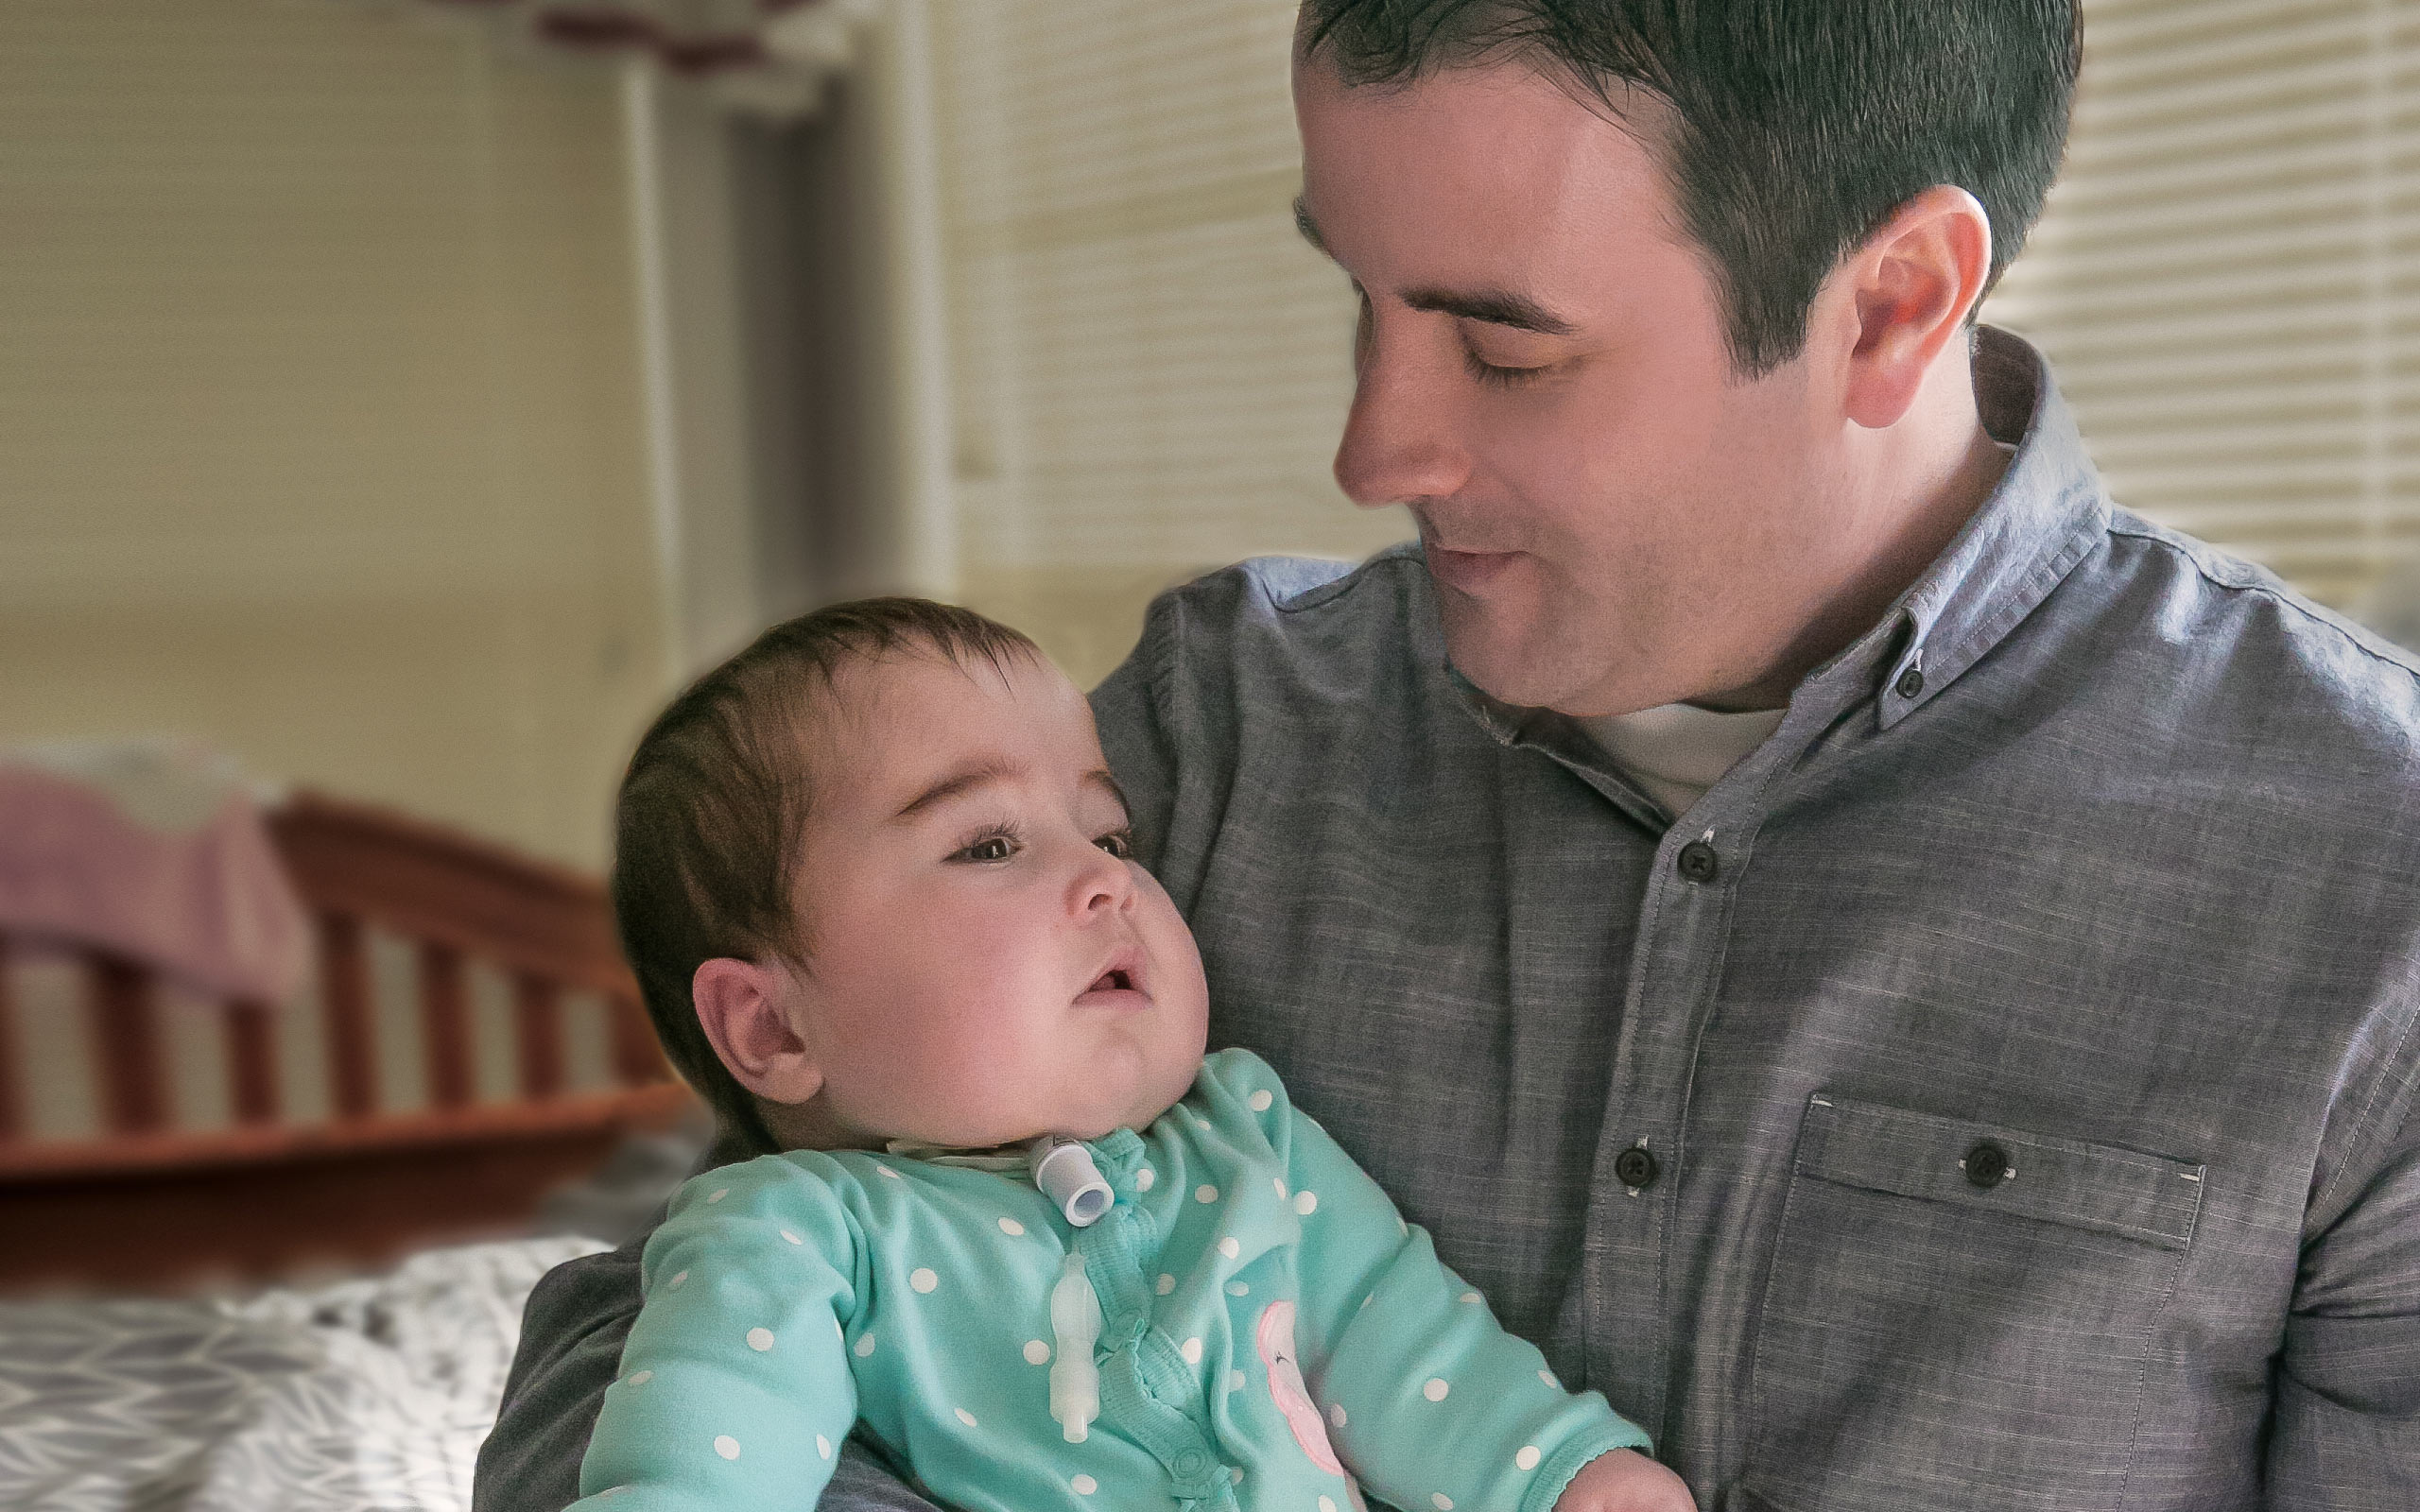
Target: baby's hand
[(1624, 1481)]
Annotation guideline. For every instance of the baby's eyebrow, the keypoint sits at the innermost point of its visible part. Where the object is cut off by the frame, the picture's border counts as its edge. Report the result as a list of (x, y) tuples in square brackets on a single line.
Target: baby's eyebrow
[(964, 779), (1098, 777)]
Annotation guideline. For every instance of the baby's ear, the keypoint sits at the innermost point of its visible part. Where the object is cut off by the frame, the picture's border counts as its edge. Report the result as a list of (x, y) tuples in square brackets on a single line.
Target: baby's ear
[(745, 1010)]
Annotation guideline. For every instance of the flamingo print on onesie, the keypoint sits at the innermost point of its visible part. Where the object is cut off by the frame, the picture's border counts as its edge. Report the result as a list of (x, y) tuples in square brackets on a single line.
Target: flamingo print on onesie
[(1275, 1338)]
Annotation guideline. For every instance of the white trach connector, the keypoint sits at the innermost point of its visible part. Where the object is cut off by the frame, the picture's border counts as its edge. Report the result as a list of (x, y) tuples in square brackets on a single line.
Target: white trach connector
[(1065, 1173), (1075, 1327)]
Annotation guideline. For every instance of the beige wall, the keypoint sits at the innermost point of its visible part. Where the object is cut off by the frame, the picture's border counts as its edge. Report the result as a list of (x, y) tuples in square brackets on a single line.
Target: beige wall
[(321, 430)]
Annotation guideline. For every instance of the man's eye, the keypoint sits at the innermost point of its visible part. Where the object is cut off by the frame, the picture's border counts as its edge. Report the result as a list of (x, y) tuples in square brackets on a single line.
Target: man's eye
[(1119, 843), (991, 848)]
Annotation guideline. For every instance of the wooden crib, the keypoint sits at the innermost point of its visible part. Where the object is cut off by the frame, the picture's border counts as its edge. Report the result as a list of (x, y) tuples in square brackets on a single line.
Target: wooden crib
[(148, 1206)]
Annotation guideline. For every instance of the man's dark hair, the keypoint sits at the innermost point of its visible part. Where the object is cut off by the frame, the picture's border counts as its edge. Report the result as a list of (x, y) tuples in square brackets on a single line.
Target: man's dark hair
[(708, 827), (1797, 125)]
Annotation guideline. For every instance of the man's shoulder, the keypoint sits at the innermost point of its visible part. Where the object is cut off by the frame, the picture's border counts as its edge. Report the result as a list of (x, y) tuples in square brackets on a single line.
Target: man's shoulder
[(1286, 596), (2259, 667), (1290, 641)]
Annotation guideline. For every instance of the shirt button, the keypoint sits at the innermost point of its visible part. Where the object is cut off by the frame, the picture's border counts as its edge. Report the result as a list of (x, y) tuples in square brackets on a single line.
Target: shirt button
[(1986, 1165), (1910, 683), (1190, 1462), (1698, 862), (1635, 1169)]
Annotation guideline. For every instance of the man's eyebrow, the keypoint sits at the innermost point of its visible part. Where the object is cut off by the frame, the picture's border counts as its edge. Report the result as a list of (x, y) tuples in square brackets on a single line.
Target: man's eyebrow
[(964, 779), (1494, 306)]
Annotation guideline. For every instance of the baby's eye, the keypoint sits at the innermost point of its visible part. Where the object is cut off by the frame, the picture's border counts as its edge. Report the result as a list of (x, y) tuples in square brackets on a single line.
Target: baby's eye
[(1119, 843), (991, 848)]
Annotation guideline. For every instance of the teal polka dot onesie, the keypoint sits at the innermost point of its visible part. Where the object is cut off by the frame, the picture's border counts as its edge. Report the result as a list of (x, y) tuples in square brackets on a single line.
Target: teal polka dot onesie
[(1250, 1325)]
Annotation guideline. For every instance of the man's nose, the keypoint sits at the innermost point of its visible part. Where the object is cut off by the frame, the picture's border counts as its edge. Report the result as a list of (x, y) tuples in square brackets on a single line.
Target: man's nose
[(1402, 440)]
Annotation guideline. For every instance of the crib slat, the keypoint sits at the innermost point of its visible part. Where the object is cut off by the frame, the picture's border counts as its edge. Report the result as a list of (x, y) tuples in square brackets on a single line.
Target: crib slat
[(636, 1059), (124, 1021), (344, 967), (445, 1017), (12, 1097), (538, 1030), (251, 1061)]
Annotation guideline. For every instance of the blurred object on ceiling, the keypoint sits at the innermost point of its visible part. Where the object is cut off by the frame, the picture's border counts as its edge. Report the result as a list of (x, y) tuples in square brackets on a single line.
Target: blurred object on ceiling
[(768, 57)]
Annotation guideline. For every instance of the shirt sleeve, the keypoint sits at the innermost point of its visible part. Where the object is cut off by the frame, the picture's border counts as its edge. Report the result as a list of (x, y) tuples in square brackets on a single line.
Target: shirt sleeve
[(1428, 1399), (2346, 1432), (735, 1387)]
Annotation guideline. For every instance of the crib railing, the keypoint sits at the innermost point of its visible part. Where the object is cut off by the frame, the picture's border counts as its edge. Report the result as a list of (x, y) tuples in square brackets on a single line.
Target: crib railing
[(269, 1189)]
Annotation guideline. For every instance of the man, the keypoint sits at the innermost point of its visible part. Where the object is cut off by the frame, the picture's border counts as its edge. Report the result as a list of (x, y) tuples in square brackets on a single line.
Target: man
[(1899, 973)]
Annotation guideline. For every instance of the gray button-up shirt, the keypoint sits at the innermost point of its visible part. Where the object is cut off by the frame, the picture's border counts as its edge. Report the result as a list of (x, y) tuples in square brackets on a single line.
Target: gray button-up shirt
[(2022, 1052)]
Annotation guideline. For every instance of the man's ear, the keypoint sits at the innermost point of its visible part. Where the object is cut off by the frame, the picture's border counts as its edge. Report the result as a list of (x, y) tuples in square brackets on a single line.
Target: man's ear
[(1911, 287), (746, 1010)]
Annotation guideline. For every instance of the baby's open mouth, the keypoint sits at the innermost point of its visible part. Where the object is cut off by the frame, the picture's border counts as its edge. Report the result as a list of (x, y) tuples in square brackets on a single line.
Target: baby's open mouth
[(1113, 980)]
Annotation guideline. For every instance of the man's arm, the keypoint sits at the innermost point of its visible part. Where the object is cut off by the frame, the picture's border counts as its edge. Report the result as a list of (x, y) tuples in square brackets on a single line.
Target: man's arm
[(2346, 1432), (571, 1345)]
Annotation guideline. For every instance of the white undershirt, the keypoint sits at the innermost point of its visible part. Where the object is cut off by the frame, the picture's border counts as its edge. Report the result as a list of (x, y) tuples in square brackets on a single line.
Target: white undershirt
[(1677, 752)]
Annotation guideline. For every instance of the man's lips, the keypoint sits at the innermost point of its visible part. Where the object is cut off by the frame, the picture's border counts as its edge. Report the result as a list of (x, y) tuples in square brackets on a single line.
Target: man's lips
[(1466, 570)]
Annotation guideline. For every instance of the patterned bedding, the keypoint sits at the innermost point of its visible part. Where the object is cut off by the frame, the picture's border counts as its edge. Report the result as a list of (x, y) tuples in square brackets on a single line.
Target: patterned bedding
[(360, 1395)]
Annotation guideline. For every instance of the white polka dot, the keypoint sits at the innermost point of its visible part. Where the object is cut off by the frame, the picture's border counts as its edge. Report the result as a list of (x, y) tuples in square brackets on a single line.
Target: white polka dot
[(1527, 1458), (1036, 1352), (839, 1332), (1326, 1506), (1191, 1349), (1237, 1289), (822, 1447), (640, 1378), (711, 1197), (1166, 1284), (1367, 1300), (1235, 1473), (965, 1417), (1146, 1178), (727, 1446), (1085, 1484), (760, 1339), (1470, 1296), (1231, 1247), (1306, 1203), (922, 1280), (1440, 1501), (887, 1170), (1011, 1227), (1205, 1193), (865, 1345), (1260, 1101), (1235, 1381), (1436, 1389), (1279, 1182), (1336, 1416), (792, 1238), (677, 1281), (1548, 1376)]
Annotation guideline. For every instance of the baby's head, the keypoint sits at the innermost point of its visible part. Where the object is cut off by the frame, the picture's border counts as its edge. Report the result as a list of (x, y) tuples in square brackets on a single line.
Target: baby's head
[(873, 876)]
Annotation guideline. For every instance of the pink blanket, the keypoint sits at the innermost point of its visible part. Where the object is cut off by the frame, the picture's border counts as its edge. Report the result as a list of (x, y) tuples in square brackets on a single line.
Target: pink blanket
[(183, 878)]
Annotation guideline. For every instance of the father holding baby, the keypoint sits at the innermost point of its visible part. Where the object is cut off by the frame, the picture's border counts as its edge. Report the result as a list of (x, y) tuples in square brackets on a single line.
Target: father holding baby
[(1899, 973)]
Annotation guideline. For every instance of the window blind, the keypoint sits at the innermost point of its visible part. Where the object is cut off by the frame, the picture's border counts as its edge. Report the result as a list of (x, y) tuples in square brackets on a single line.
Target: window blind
[(1151, 368), (2223, 278)]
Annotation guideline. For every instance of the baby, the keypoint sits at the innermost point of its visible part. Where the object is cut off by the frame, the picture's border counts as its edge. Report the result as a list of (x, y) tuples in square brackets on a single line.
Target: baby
[(876, 880)]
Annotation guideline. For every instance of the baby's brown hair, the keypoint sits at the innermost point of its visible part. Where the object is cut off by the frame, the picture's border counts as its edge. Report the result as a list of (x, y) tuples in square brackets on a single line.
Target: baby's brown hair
[(709, 821)]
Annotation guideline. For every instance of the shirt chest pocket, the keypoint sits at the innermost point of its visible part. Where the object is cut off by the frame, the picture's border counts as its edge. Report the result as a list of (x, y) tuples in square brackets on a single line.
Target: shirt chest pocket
[(1957, 1313)]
